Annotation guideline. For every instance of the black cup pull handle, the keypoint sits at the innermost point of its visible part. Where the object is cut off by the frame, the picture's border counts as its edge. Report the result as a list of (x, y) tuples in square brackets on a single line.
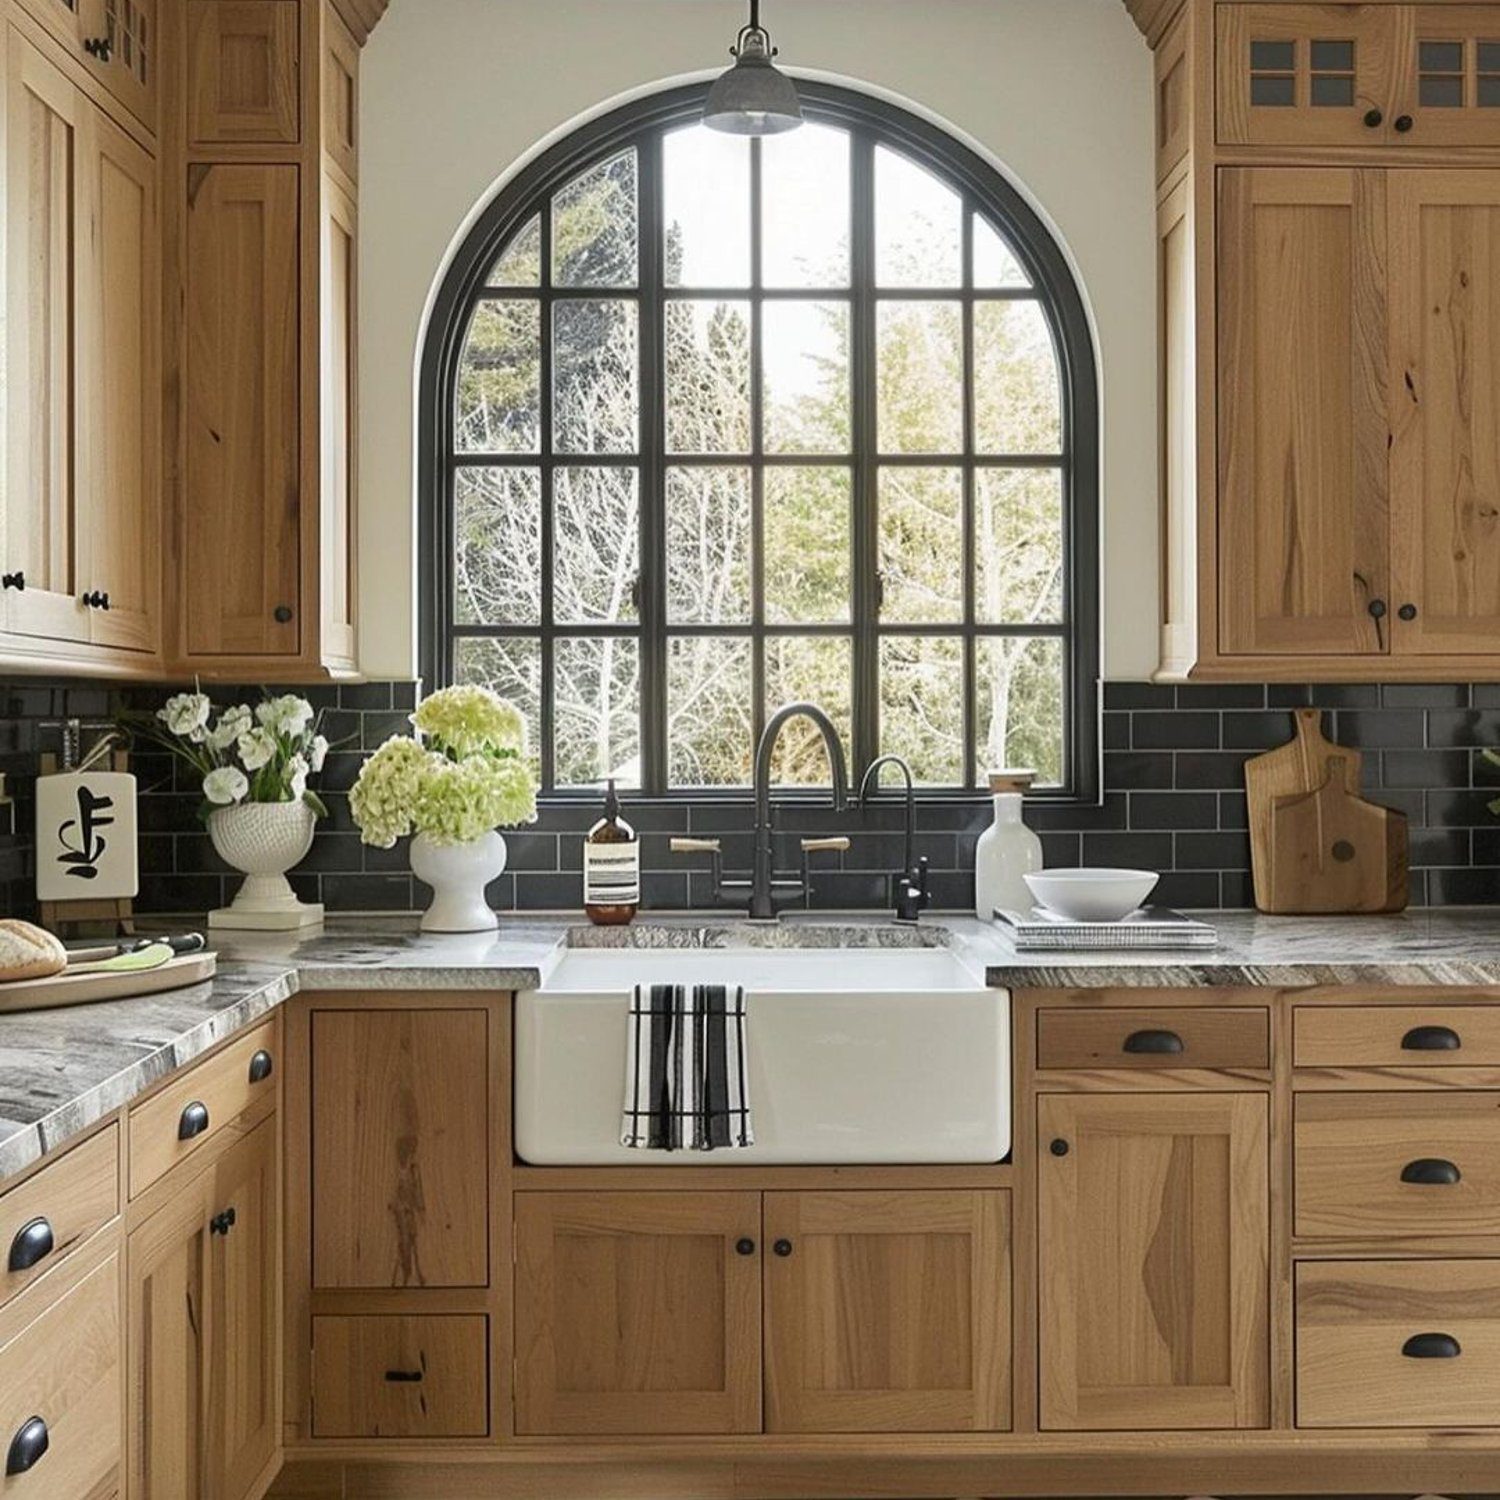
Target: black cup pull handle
[(34, 1242), (1432, 1346), (261, 1067), (1431, 1171), (1154, 1043), (27, 1447), (404, 1377), (1431, 1039), (194, 1121)]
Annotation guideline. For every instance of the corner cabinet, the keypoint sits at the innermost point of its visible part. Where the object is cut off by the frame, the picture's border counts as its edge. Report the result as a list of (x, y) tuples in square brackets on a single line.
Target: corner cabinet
[(1330, 191)]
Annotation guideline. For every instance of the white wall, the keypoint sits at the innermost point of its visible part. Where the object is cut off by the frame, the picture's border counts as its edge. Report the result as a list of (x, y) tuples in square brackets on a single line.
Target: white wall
[(457, 93)]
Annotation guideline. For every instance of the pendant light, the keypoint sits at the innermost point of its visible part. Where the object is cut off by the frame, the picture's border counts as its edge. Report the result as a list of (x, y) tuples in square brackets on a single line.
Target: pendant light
[(754, 97)]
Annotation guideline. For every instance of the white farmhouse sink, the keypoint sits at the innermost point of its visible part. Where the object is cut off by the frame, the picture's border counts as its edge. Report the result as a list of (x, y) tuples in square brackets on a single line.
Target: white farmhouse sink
[(858, 1055)]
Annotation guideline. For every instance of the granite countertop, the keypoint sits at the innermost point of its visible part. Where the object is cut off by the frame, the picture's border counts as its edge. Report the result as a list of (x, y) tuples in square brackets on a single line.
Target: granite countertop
[(62, 1071)]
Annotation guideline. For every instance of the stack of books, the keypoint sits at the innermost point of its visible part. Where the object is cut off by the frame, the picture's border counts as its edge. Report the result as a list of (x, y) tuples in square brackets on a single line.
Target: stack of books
[(1040, 930)]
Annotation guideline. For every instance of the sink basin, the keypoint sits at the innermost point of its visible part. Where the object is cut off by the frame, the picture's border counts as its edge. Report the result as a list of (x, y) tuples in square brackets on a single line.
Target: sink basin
[(856, 1056)]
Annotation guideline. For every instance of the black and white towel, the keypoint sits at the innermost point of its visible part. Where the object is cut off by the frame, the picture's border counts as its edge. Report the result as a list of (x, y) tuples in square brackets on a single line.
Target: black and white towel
[(686, 1084)]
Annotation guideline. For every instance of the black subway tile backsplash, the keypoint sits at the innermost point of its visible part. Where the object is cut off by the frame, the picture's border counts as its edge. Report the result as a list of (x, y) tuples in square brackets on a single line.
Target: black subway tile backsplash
[(1173, 800)]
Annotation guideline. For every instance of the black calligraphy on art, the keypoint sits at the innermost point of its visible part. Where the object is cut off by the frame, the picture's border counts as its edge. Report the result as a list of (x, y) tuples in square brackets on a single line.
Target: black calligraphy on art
[(80, 838)]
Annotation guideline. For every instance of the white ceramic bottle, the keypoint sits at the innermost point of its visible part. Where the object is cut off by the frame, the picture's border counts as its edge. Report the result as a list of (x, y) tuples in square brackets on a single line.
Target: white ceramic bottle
[(1006, 851)]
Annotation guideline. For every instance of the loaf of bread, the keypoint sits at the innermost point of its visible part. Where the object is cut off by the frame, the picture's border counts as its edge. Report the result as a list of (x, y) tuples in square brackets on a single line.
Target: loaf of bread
[(28, 952)]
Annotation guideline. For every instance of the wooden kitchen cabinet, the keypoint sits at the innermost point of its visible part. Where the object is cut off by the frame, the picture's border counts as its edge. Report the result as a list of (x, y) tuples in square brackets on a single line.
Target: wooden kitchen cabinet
[(113, 42), (887, 1311), (244, 64), (638, 1313), (1153, 1223)]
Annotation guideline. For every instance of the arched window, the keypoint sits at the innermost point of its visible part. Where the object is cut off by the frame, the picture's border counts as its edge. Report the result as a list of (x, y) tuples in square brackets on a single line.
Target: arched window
[(712, 424)]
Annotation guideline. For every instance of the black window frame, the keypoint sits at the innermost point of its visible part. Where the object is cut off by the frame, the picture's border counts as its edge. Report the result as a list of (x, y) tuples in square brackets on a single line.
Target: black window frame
[(984, 190)]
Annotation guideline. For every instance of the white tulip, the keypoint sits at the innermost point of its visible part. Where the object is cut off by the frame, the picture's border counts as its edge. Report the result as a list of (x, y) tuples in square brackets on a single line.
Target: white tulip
[(226, 786), (288, 715), (233, 722), (256, 747), (186, 713), (318, 753), (297, 769)]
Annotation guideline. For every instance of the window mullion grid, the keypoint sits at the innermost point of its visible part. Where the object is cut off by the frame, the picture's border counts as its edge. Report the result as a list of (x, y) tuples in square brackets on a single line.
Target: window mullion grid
[(547, 695), (757, 456), (865, 688), (652, 613), (967, 541)]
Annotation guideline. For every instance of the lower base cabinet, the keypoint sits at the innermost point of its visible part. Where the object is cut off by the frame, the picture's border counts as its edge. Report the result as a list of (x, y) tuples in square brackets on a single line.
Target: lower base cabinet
[(646, 1313)]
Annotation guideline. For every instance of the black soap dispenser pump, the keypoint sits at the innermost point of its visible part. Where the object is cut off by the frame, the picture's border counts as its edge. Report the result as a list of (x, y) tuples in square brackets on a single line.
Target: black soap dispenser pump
[(611, 868)]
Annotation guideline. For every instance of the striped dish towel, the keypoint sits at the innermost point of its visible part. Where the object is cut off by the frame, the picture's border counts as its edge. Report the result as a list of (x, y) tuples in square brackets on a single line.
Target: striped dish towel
[(686, 1085)]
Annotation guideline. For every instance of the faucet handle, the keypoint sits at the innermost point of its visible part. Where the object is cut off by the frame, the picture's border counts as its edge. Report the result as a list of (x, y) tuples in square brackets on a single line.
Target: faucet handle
[(825, 846), (694, 846)]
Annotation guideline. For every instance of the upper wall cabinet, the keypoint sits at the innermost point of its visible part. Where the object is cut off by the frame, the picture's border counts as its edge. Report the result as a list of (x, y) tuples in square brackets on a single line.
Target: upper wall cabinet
[(243, 64), (113, 41)]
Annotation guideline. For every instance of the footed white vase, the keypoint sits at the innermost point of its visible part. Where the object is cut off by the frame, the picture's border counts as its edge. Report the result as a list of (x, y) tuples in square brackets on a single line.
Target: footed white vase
[(263, 840), (458, 874)]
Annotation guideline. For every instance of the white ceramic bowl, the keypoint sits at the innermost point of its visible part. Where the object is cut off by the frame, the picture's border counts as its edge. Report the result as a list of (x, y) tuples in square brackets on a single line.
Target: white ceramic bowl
[(1092, 895)]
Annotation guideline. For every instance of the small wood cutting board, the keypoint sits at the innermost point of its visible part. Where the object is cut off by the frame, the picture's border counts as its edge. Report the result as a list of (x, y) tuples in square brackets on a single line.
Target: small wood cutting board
[(81, 989)]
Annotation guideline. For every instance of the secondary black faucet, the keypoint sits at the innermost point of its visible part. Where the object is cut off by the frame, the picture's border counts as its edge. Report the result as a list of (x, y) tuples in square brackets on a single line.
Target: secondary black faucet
[(909, 888)]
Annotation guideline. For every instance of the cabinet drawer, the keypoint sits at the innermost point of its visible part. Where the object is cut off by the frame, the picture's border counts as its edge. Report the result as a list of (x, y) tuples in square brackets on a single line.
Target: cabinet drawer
[(1398, 1344), (61, 1375), (1185, 1038), (53, 1212), (397, 1377), (168, 1127), (1399, 1164), (1389, 1036)]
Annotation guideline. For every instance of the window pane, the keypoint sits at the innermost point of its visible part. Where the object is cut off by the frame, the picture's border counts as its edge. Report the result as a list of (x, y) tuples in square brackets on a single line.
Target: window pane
[(808, 670), (520, 263), (498, 546), (708, 546), (594, 226), (921, 376), (805, 375), (498, 407), (1333, 93), (1019, 708), (709, 698), (706, 207), (1333, 57), (595, 398), (1440, 57), (512, 668), (597, 705), (596, 545), (805, 208), (1441, 93), (1272, 92), (807, 545), (1017, 396), (1018, 546), (921, 545), (1273, 57), (996, 267), (918, 225), (708, 377), (922, 706)]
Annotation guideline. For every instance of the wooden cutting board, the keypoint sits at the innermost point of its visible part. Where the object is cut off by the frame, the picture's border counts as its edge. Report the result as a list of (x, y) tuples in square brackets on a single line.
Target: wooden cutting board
[(1331, 852), (81, 989), (1297, 767)]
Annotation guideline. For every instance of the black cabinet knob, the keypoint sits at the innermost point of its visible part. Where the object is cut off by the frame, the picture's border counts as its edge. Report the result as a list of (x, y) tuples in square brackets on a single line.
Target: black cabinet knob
[(16, 580), (783, 1248), (1431, 1171), (1059, 1147), (1377, 609), (1404, 124), (1374, 118), (100, 47), (261, 1067), (745, 1246), (1407, 612), (222, 1223), (1431, 1039), (34, 1242), (194, 1121), (1432, 1346), (27, 1446), (96, 600), (282, 614), (1160, 1043)]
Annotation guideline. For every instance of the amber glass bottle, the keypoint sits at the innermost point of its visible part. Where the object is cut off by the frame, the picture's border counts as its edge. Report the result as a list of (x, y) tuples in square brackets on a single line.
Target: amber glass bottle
[(611, 868)]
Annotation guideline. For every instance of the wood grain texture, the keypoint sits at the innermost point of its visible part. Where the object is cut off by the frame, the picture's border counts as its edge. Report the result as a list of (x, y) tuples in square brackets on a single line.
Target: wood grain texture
[(1376, 1036), (1303, 474), (400, 1148), (441, 1385), (1153, 1261), (1352, 1149), (890, 1314), (635, 1313), (1353, 1319), (361, 16), (1472, 124), (340, 95), (243, 79), (339, 437), (1153, 16), (1228, 1038)]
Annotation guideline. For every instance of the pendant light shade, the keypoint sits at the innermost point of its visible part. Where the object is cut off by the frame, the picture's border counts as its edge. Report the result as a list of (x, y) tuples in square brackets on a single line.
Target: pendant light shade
[(754, 97)]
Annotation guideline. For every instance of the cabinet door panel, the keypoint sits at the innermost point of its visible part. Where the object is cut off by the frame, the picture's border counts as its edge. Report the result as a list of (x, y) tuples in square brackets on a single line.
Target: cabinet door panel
[(1445, 399), (400, 1118), (44, 228), (117, 297), (242, 545), (889, 1312), (1153, 1261), (338, 437), (1450, 75), (636, 1313), (244, 76), (1303, 467)]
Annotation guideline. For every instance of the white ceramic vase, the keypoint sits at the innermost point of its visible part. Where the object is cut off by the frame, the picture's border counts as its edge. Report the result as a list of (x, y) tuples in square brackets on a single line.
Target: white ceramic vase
[(264, 840), (458, 874)]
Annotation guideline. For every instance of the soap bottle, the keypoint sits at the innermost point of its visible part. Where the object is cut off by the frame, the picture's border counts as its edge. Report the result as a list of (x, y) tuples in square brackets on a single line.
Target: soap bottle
[(1007, 850), (611, 868)]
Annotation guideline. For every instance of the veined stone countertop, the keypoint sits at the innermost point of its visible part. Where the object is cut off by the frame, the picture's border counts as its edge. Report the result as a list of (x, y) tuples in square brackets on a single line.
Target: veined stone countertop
[(62, 1071)]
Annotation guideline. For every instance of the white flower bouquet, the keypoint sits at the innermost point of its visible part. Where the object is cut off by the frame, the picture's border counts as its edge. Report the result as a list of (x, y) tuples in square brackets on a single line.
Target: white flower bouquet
[(242, 755), (465, 775)]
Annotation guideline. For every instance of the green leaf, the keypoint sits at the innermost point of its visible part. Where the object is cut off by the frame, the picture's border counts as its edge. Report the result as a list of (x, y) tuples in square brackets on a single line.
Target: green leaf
[(314, 801)]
